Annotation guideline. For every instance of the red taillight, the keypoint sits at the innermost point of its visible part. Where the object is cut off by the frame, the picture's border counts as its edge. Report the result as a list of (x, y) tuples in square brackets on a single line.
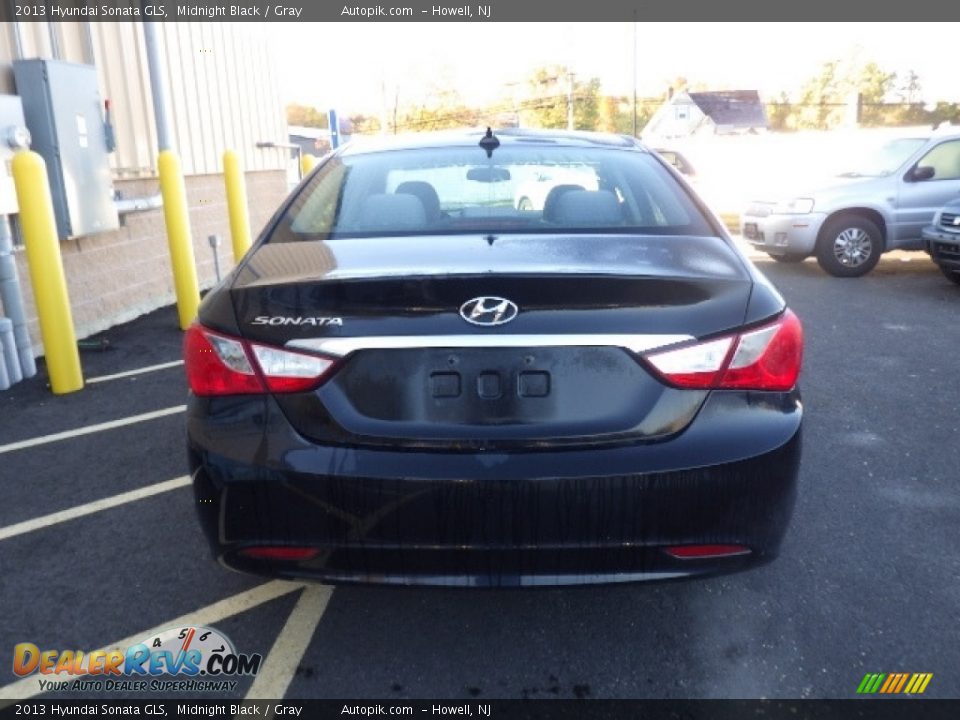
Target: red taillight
[(280, 552), (286, 371), (218, 364), (764, 358), (692, 552)]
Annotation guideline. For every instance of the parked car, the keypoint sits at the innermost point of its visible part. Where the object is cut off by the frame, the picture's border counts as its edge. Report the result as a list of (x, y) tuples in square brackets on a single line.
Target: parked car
[(532, 194), (405, 383), (943, 240), (880, 205)]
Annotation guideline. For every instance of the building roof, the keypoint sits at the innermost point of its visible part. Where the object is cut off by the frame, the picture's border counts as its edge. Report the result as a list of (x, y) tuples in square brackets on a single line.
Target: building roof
[(739, 108)]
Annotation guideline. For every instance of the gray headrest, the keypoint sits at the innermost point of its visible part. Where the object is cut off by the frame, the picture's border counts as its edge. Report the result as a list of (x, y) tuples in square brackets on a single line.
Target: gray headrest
[(591, 208), (553, 197), (391, 212), (426, 193)]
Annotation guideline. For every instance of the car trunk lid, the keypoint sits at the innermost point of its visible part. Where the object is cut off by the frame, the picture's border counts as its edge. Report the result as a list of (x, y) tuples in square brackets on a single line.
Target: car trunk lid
[(414, 372)]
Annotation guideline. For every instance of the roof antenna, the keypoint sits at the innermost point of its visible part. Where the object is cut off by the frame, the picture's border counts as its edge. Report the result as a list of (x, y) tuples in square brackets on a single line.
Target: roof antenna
[(489, 143)]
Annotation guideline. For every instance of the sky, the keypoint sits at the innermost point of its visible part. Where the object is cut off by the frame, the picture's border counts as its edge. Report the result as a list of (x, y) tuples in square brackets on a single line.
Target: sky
[(346, 65)]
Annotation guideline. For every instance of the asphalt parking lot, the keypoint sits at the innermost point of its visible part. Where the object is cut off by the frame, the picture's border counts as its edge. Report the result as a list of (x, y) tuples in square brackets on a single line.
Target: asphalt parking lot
[(99, 541)]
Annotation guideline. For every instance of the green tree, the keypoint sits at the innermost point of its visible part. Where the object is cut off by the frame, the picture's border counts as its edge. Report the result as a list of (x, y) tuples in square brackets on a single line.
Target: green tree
[(945, 112), (548, 91), (820, 97), (908, 87), (873, 86), (827, 99)]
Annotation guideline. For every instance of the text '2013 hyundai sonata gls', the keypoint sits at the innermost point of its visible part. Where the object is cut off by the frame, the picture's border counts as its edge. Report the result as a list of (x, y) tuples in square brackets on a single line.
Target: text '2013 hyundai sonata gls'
[(410, 380)]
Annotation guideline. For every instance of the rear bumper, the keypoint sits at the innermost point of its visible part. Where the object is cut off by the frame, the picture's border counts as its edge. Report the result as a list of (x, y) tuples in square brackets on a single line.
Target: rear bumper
[(943, 247), (783, 234), (500, 519)]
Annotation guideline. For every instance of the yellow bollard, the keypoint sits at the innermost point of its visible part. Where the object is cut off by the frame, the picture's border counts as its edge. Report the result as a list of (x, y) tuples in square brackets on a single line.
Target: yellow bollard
[(178, 237), (236, 204), (39, 229), (307, 163)]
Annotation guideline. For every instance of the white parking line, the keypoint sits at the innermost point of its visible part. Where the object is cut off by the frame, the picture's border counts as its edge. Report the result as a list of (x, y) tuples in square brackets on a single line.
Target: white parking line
[(43, 521), (284, 657), (99, 427), (214, 613), (131, 373)]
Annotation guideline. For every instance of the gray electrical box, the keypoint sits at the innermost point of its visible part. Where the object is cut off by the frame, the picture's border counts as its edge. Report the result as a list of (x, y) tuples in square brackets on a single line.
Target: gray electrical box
[(13, 137), (64, 114)]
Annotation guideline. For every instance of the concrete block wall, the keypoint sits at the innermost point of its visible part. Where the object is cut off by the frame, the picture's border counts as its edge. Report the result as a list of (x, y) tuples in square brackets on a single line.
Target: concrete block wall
[(117, 276)]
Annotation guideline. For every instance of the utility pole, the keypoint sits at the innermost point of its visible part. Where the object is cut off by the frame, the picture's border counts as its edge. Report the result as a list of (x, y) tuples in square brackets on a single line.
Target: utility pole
[(570, 101), (383, 104)]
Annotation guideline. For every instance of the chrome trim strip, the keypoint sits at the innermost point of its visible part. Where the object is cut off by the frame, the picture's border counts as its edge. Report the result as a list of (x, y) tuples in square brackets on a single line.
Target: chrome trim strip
[(342, 346)]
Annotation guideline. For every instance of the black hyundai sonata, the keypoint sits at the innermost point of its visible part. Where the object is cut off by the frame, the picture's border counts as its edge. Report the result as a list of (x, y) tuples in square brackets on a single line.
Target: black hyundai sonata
[(413, 378)]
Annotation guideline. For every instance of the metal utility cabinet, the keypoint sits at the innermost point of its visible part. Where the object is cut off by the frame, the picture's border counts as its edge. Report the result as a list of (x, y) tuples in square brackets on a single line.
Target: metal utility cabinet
[(12, 136), (64, 113)]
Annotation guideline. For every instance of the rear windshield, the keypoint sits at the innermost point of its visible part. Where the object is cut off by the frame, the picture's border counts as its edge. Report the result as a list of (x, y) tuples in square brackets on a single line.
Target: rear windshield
[(520, 189)]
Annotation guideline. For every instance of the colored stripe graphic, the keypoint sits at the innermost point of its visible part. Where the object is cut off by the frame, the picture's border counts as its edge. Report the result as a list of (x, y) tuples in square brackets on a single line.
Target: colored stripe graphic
[(903, 680), (918, 683), (894, 683)]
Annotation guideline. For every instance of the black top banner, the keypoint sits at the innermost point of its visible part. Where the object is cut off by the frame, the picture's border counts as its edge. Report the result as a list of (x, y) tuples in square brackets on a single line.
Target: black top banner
[(486, 11)]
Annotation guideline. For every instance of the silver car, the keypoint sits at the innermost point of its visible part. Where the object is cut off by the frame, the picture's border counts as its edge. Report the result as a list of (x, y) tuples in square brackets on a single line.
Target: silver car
[(882, 205)]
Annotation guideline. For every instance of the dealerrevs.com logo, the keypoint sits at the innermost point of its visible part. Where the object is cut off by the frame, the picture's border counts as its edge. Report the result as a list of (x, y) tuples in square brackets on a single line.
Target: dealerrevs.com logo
[(201, 658)]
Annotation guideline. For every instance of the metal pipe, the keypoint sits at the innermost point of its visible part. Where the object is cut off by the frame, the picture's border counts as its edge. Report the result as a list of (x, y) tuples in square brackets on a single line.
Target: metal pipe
[(5, 381), (8, 356), (88, 43), (175, 208), (214, 241), (17, 42), (54, 41), (158, 84), (12, 297), (127, 206), (635, 73), (265, 144)]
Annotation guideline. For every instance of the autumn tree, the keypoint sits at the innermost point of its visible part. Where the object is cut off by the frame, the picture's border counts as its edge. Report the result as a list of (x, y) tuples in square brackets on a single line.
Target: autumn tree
[(780, 113), (306, 116)]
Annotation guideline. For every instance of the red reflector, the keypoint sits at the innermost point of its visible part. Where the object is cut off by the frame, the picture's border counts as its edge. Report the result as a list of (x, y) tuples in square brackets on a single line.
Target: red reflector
[(280, 552), (689, 552)]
